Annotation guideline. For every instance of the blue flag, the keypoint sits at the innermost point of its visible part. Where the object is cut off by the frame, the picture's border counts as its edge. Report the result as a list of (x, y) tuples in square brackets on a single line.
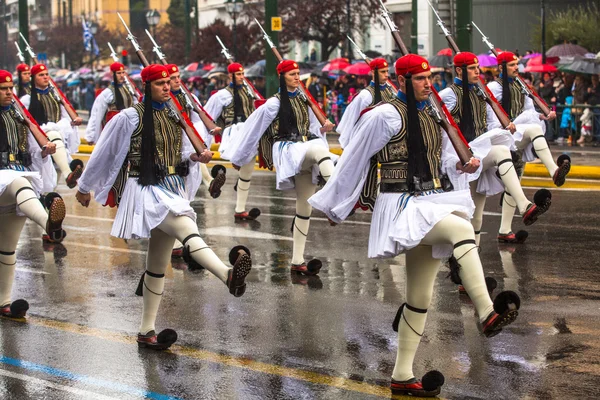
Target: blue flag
[(89, 41)]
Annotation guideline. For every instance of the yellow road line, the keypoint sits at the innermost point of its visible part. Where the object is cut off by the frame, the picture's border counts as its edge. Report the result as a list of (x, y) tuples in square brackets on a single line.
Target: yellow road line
[(232, 361)]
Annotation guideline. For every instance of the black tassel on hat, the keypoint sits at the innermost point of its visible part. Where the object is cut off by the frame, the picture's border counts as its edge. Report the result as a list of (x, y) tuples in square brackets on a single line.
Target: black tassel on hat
[(467, 126), (147, 168), (506, 100), (287, 120), (377, 88), (418, 165), (238, 112), (119, 102), (20, 87)]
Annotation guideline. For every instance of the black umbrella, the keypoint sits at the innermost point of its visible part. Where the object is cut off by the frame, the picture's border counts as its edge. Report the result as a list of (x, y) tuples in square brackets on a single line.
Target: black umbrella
[(440, 61), (257, 70), (565, 50), (581, 65)]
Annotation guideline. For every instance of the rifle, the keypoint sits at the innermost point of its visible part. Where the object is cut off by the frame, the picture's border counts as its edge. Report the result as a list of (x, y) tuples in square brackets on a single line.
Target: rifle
[(436, 108), (480, 88), (191, 102), (20, 54), (24, 117), (175, 108), (525, 88), (56, 92), (368, 60), (249, 87), (128, 81), (312, 103)]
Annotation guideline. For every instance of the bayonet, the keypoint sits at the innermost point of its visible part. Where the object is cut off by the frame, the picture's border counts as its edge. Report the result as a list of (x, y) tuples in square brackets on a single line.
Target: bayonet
[(156, 48), (485, 39), (265, 35), (20, 53), (113, 54), (130, 36), (358, 50), (28, 48), (440, 23), (224, 49)]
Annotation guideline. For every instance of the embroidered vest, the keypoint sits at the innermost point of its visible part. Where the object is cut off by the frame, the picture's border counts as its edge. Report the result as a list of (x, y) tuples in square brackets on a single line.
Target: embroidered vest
[(517, 99), (16, 132), (478, 107), (168, 141), (228, 117), (387, 94), (51, 106)]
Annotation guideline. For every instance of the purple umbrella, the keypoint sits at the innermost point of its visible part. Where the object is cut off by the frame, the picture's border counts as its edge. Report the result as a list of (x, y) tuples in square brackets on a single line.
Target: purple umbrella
[(532, 55), (485, 60)]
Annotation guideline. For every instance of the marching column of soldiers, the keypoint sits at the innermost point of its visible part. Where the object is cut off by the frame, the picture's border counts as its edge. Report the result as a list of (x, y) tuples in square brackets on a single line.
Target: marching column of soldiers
[(398, 162)]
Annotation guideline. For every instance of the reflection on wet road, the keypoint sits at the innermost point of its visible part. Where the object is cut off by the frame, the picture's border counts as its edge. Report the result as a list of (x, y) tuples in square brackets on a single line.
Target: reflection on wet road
[(291, 337)]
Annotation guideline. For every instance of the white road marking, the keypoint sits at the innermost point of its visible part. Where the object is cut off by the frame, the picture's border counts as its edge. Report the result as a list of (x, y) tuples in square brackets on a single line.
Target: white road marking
[(243, 232), (83, 394), (31, 271)]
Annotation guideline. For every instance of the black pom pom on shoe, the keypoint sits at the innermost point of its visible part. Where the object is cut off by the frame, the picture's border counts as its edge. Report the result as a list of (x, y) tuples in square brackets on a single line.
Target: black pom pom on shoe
[(433, 380), (506, 300)]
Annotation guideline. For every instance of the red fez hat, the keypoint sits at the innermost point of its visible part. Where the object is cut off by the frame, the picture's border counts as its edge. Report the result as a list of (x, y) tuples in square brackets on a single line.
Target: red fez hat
[(153, 72), (287, 66), (23, 68), (235, 67), (5, 76), (465, 59), (378, 63), (411, 63), (117, 66), (172, 68), (37, 68), (506, 56)]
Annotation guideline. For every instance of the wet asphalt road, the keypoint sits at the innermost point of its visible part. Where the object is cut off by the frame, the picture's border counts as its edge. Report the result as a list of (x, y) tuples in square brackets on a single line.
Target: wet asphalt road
[(298, 338)]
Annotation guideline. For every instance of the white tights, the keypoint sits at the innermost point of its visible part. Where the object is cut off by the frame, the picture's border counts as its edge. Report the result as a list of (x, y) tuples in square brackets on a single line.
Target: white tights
[(160, 246), (500, 157), (421, 272), (60, 158), (533, 134), (18, 192), (304, 189), (243, 186)]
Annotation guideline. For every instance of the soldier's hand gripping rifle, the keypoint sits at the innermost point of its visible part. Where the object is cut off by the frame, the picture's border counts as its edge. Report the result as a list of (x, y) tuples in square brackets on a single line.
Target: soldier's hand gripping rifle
[(174, 106), (207, 120), (58, 94), (368, 60), (436, 108), (481, 89), (128, 82), (312, 103), (525, 88), (249, 86)]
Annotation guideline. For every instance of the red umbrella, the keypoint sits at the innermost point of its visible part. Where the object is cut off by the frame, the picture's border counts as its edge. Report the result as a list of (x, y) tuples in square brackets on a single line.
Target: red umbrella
[(360, 68), (445, 52), (208, 67), (540, 68), (538, 60), (191, 67), (338, 63)]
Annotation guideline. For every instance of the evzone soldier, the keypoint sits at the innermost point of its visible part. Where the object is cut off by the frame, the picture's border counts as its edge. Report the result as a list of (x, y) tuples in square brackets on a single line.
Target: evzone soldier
[(529, 139), (46, 107), (23, 164), (213, 180), (417, 212), (289, 138), (379, 90), (231, 107), (109, 102), (490, 143), (23, 86), (154, 204)]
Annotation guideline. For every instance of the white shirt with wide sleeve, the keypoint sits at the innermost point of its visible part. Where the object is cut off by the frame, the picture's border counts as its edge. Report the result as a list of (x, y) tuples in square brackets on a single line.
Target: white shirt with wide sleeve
[(346, 126)]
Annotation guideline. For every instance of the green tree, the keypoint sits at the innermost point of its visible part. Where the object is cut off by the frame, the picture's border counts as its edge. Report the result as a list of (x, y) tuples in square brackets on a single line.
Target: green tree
[(576, 24), (176, 13)]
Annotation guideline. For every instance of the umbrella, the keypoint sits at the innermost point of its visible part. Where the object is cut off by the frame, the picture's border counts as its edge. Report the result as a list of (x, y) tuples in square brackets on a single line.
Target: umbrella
[(440, 61), (445, 52), (486, 60), (582, 66), (531, 56), (540, 68), (257, 70), (537, 60), (74, 82), (337, 64), (208, 67), (360, 68), (566, 49), (191, 67), (84, 70)]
